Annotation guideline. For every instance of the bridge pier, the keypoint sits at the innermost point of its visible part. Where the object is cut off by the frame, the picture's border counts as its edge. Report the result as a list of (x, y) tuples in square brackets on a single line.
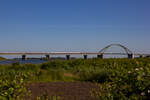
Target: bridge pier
[(47, 57), (101, 56), (131, 56), (141, 56), (68, 57), (85, 56), (24, 57)]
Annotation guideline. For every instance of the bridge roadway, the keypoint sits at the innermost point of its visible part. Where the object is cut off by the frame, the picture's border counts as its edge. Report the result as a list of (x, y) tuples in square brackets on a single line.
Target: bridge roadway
[(67, 53), (99, 54), (85, 54)]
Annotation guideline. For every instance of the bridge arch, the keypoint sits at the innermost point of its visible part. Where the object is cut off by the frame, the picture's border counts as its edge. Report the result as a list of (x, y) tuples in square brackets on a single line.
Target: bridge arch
[(128, 52)]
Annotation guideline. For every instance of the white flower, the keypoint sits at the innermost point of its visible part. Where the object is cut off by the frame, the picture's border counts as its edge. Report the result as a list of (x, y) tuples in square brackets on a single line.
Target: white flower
[(143, 93), (148, 91), (136, 69), (129, 72)]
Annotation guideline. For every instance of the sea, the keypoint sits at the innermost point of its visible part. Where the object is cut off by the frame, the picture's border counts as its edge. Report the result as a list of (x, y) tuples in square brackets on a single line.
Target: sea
[(28, 61)]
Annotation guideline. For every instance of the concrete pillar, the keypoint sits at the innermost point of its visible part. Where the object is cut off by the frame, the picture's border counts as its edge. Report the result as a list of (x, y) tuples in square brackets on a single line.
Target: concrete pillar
[(85, 56), (141, 56), (68, 57), (23, 57), (101, 56), (47, 57), (131, 56)]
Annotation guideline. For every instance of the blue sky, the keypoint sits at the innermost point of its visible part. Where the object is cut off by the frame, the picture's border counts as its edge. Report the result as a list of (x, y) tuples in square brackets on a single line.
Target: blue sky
[(74, 25)]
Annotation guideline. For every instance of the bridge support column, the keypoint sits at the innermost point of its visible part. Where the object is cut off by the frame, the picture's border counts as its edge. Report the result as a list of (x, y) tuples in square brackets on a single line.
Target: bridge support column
[(101, 56), (85, 57), (47, 57), (24, 57), (141, 56), (68, 57), (131, 56)]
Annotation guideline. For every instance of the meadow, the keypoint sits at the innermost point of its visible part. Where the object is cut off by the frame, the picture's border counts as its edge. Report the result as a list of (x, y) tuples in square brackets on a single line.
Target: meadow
[(117, 79)]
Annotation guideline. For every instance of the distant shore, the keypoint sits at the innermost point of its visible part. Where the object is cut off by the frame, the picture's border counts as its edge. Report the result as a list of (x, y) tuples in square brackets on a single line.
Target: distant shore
[(2, 58)]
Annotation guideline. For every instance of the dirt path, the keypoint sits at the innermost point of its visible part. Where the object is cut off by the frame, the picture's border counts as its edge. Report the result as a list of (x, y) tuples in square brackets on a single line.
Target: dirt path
[(66, 90)]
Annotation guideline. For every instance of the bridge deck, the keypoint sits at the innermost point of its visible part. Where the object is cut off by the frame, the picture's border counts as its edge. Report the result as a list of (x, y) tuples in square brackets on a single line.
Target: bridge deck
[(65, 53)]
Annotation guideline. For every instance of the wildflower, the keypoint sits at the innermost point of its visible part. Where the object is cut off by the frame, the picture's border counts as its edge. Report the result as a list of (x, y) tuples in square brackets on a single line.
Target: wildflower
[(110, 86), (136, 69), (143, 93), (129, 72), (148, 91)]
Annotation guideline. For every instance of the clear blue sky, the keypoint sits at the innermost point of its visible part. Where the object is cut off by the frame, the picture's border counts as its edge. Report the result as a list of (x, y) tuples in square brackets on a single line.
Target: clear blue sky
[(74, 25)]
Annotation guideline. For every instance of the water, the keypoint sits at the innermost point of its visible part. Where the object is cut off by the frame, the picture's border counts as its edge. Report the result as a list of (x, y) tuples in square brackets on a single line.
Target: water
[(29, 61)]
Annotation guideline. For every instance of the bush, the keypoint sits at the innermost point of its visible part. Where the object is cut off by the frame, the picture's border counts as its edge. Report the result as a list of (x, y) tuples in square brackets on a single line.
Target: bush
[(100, 76), (12, 89), (127, 84)]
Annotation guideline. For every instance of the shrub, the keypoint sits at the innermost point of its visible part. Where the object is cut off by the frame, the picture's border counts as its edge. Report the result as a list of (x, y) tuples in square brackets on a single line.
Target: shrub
[(12, 89), (100, 76), (126, 84)]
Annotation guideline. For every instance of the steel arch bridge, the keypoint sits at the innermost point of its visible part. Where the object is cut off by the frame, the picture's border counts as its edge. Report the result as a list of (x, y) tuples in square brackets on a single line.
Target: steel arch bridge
[(99, 54), (119, 45)]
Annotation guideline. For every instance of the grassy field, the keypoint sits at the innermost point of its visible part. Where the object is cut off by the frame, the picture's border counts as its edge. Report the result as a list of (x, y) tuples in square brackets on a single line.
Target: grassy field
[(118, 79)]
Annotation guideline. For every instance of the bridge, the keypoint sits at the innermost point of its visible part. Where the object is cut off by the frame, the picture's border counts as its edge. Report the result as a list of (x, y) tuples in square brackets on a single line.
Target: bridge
[(99, 54)]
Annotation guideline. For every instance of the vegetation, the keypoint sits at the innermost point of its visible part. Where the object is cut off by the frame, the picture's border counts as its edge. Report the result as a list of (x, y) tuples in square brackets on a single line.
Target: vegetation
[(2, 58), (118, 79), (12, 88)]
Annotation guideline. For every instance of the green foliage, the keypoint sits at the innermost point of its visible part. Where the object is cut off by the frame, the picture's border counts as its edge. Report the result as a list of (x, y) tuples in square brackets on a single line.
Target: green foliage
[(127, 82), (45, 96), (99, 76), (12, 88), (120, 79)]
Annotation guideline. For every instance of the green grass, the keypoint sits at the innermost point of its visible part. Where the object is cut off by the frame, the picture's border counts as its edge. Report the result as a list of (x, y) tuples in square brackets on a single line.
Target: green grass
[(73, 70), (128, 78)]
